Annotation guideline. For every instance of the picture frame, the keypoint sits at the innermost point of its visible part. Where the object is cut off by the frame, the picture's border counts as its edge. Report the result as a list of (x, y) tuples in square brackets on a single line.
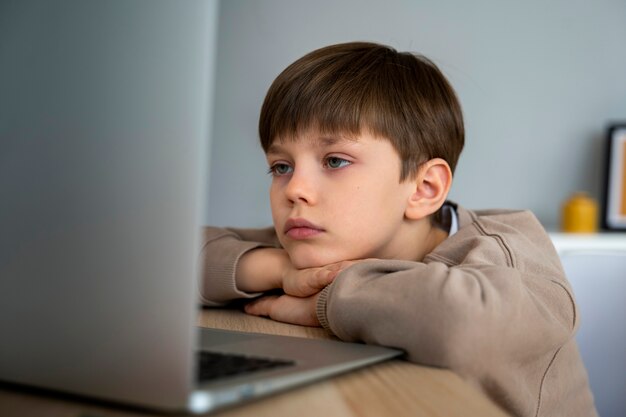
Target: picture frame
[(614, 204)]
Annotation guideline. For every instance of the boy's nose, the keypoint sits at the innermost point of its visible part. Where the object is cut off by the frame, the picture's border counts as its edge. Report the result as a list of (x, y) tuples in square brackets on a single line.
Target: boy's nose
[(301, 188)]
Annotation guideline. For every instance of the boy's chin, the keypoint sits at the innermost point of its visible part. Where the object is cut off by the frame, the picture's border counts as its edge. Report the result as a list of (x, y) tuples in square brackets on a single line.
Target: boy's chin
[(304, 260)]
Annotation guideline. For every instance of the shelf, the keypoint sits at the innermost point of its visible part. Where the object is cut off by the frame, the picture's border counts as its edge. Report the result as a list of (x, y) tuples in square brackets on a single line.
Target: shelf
[(588, 242)]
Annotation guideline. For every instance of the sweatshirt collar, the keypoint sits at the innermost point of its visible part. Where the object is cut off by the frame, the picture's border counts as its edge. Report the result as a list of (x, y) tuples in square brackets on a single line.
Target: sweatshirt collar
[(451, 218)]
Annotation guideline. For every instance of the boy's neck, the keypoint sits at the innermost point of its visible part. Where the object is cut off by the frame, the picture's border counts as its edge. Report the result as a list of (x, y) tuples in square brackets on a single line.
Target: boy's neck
[(432, 238), (419, 238)]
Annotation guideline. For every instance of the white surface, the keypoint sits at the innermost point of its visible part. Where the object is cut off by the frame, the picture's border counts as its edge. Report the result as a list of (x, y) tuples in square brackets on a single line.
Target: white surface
[(596, 267), (577, 242)]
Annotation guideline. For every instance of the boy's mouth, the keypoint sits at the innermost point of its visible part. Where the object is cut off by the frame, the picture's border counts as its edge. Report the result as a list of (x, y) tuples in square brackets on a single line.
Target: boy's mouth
[(301, 229)]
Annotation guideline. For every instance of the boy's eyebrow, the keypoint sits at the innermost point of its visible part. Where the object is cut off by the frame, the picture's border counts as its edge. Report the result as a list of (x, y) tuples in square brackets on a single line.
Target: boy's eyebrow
[(320, 142), (273, 149), (333, 140)]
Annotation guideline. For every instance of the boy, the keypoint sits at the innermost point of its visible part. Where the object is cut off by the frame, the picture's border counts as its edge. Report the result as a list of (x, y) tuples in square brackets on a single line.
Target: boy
[(361, 142)]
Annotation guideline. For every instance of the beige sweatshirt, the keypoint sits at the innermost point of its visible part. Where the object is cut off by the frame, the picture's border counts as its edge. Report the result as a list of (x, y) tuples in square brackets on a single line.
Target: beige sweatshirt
[(490, 303)]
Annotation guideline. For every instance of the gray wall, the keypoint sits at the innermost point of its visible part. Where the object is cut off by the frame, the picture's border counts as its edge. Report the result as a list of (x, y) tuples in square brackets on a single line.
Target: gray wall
[(538, 81)]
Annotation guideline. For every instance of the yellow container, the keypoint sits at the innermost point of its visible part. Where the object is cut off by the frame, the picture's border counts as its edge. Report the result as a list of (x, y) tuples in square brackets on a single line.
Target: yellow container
[(580, 214)]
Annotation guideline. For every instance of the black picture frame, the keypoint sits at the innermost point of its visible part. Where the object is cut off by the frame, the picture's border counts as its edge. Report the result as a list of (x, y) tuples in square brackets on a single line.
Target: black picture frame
[(614, 202)]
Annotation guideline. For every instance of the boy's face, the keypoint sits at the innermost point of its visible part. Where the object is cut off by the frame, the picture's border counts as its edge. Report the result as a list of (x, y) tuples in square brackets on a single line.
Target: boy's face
[(336, 199)]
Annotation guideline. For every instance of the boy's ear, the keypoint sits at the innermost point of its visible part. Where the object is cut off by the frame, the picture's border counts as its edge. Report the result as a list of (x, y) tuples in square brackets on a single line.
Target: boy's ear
[(432, 183)]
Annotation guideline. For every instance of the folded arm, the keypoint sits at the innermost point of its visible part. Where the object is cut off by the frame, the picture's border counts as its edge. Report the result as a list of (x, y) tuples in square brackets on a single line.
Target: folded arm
[(452, 317), (244, 263)]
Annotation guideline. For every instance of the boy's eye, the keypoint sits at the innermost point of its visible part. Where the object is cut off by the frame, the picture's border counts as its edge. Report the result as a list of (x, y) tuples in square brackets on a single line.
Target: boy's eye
[(280, 169), (335, 162)]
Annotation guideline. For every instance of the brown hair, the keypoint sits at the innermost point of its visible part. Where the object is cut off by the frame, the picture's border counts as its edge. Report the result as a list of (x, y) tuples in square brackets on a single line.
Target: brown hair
[(349, 87)]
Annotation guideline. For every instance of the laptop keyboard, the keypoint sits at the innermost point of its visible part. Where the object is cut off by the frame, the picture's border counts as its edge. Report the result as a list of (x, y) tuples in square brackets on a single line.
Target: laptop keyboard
[(214, 365)]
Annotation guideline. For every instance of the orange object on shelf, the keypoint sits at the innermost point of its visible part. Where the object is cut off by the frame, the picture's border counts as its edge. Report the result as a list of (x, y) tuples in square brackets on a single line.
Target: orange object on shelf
[(580, 214)]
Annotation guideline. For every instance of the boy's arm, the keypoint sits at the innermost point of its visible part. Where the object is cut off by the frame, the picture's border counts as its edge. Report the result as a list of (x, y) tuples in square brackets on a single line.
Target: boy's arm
[(453, 317), (222, 250), (242, 263)]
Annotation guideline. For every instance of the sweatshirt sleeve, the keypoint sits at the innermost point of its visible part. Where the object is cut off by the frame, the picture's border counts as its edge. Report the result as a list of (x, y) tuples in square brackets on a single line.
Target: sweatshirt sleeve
[(455, 316), (221, 250)]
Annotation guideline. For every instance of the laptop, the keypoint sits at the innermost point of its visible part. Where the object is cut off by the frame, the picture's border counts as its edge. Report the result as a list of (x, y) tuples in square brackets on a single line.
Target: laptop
[(104, 126)]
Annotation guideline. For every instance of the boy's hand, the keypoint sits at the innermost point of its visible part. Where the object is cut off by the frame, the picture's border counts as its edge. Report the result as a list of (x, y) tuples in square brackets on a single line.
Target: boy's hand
[(266, 269), (299, 303), (286, 308), (310, 281)]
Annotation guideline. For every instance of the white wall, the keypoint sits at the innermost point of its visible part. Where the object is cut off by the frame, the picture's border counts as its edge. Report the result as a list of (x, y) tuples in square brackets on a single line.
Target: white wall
[(538, 82)]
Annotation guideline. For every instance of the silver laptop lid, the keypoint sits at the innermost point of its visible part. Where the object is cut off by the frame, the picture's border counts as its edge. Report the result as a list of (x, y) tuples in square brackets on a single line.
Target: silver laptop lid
[(103, 110)]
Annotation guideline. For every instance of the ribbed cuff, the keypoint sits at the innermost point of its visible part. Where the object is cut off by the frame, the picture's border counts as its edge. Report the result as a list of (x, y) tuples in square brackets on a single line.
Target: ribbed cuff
[(320, 309), (217, 284)]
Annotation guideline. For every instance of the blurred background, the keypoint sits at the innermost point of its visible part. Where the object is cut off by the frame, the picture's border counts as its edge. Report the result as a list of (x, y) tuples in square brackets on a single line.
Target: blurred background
[(538, 81)]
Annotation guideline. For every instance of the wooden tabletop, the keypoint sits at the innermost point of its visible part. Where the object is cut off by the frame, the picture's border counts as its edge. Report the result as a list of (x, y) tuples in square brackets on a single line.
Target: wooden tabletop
[(392, 388)]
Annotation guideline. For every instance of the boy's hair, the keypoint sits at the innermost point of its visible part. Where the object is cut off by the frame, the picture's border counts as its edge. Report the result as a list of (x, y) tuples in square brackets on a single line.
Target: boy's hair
[(351, 87)]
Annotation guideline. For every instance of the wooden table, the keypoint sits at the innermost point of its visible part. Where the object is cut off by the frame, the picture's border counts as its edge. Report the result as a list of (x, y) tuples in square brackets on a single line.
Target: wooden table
[(393, 388)]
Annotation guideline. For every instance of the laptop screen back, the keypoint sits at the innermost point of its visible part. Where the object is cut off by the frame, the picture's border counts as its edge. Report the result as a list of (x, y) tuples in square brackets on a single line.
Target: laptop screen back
[(103, 144)]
